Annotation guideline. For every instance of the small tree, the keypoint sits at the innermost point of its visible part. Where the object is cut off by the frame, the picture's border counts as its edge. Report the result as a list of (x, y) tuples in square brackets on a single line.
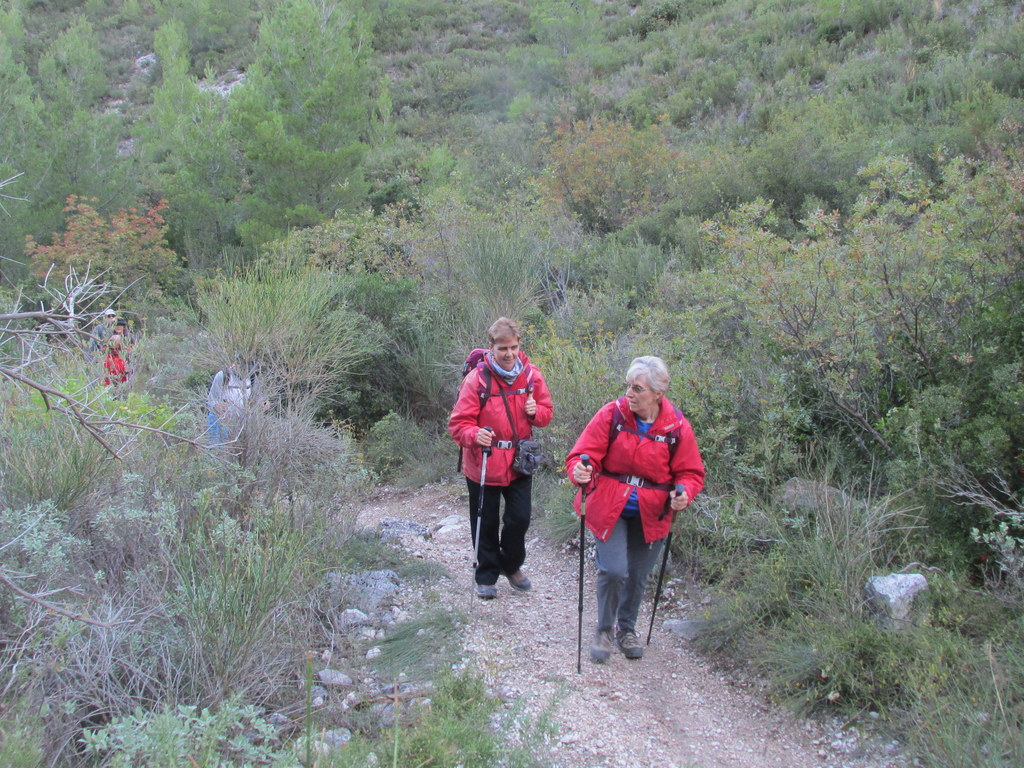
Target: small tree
[(130, 247)]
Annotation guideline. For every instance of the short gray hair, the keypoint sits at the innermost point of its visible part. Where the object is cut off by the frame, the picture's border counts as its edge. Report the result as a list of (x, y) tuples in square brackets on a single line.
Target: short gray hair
[(654, 369)]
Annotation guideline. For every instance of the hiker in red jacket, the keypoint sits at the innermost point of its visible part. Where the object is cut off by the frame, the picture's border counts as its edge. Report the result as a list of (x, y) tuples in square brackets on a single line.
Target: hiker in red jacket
[(117, 356), (641, 450), (500, 401)]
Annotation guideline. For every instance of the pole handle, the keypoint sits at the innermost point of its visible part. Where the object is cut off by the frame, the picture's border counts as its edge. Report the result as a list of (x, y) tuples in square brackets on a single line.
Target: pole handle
[(487, 448)]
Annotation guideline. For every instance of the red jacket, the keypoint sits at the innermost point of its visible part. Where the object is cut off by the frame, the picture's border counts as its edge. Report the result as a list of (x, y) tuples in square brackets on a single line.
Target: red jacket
[(469, 415), (631, 454)]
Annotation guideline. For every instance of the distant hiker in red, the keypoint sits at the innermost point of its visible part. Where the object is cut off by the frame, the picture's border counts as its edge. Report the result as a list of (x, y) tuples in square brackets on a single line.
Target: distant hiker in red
[(116, 360), (502, 398), (644, 467)]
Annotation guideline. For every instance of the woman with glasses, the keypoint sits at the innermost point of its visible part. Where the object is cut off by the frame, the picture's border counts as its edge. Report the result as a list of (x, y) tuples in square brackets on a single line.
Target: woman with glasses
[(644, 466)]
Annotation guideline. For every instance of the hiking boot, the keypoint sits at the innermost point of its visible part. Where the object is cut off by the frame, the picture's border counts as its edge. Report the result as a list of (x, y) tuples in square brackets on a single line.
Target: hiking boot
[(629, 644), (519, 581), (602, 647), (486, 591)]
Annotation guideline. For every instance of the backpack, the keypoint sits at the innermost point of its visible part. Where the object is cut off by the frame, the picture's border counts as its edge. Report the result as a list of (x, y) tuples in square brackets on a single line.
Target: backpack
[(477, 359), (619, 425)]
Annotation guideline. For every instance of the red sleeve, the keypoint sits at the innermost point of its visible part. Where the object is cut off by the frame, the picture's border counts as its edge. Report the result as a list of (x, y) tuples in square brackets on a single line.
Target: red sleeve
[(542, 396), (687, 466), (593, 441), (464, 422)]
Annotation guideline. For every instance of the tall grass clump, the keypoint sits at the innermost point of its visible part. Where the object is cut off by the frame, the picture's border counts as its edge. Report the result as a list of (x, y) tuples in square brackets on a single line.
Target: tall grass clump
[(288, 322), (972, 716), (239, 595), (45, 458), (799, 608), (500, 277)]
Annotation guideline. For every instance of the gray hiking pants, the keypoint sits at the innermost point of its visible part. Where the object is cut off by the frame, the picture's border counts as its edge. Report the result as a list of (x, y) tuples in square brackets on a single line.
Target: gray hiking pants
[(623, 564)]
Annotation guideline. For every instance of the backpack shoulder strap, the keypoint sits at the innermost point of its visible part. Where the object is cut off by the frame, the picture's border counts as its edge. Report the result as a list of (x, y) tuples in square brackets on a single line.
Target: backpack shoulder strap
[(483, 381), (618, 425)]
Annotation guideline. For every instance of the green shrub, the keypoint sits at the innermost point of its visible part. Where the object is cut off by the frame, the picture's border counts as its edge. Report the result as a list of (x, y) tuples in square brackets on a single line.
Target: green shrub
[(582, 375), (236, 596), (21, 737), (853, 664), (232, 734), (45, 458), (971, 714), (422, 647), (398, 449)]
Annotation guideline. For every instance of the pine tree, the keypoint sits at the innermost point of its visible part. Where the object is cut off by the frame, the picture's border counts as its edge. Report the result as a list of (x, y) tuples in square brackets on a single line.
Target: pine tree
[(196, 163), (80, 136), (304, 115), (19, 152)]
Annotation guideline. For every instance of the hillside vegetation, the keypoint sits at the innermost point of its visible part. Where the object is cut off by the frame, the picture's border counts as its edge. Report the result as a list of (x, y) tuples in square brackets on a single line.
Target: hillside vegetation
[(810, 210)]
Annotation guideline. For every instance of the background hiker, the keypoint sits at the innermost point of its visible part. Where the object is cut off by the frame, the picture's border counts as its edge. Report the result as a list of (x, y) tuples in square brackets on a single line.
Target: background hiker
[(230, 390), (117, 356), (508, 394), (640, 446), (102, 330)]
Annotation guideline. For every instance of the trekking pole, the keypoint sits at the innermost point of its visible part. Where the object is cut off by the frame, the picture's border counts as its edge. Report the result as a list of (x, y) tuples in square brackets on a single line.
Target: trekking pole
[(480, 508), (585, 459), (661, 575)]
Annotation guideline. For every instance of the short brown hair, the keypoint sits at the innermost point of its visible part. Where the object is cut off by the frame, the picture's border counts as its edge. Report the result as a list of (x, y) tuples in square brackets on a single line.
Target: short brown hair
[(503, 328)]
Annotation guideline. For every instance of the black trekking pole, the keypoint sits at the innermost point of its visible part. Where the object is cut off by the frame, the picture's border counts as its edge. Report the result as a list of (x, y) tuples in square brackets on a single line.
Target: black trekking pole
[(585, 460), (664, 559), (480, 508)]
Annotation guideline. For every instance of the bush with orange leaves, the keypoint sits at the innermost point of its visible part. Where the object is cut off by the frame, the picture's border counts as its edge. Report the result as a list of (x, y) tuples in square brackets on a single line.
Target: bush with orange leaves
[(129, 249), (609, 174)]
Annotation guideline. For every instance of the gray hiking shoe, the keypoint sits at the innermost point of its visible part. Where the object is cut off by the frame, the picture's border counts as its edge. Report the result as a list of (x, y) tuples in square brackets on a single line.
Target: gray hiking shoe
[(486, 591), (602, 647), (629, 644), (519, 581)]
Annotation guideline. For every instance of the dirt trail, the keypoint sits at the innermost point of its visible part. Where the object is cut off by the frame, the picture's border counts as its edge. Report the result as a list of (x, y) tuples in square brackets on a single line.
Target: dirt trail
[(668, 710)]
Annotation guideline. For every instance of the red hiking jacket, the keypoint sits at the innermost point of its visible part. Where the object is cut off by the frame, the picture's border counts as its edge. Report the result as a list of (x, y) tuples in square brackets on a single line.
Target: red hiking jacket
[(469, 415), (631, 454)]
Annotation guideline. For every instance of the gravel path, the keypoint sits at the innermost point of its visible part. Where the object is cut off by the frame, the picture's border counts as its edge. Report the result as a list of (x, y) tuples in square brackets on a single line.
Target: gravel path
[(669, 710)]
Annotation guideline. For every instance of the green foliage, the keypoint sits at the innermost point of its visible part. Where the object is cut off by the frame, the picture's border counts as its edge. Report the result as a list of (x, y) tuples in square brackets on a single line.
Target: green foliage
[(852, 664), (37, 540), (78, 141), (288, 318), (816, 569), (399, 450), (45, 459), (498, 276), (214, 27), (303, 115), (195, 162), (232, 734), (607, 173), (861, 313), (421, 647), (20, 738), (235, 590), (18, 135), (463, 725), (582, 376), (971, 715)]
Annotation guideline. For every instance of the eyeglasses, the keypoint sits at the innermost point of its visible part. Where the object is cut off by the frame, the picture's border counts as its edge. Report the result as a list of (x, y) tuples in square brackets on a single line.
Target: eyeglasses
[(636, 389)]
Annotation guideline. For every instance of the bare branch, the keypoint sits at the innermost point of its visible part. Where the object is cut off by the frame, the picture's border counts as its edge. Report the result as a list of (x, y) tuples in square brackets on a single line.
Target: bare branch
[(8, 581)]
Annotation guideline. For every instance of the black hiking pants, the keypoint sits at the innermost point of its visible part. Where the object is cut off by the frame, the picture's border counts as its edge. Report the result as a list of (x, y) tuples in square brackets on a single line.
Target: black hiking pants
[(502, 537)]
